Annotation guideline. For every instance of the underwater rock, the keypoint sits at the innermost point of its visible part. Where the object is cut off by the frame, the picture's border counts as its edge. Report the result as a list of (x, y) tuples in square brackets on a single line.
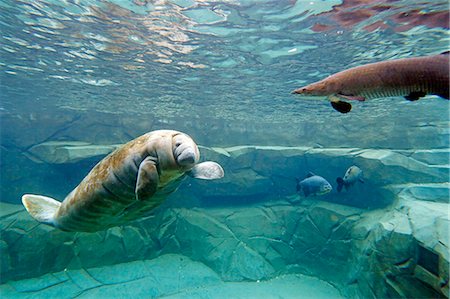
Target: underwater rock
[(394, 167), (436, 192), (7, 214), (253, 173), (334, 221), (248, 264), (206, 238), (250, 176), (250, 229), (5, 260), (432, 157), (21, 129), (370, 249), (225, 239), (242, 183), (168, 276), (403, 251), (57, 152)]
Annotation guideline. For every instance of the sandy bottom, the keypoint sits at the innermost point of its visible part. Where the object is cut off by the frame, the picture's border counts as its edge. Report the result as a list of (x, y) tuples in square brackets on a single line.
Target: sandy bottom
[(168, 276)]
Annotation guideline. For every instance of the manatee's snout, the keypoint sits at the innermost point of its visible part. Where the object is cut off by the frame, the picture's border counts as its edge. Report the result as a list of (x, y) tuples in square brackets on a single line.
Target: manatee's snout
[(185, 152)]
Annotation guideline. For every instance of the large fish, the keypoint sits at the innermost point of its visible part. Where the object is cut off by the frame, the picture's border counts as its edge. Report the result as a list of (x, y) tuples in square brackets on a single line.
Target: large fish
[(313, 185), (412, 78), (126, 184)]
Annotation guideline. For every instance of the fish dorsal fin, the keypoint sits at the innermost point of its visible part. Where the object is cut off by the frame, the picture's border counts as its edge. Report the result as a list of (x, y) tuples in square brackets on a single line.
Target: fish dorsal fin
[(445, 53), (310, 174)]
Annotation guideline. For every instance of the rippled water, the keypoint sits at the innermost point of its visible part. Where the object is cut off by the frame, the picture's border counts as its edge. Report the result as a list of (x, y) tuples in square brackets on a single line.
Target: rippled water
[(234, 60)]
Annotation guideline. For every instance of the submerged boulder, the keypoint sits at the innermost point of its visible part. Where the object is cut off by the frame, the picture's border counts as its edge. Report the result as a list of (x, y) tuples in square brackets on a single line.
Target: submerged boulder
[(58, 152), (404, 252)]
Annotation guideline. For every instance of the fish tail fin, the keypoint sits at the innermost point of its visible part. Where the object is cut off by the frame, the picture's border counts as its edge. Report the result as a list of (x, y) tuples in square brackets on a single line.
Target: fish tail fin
[(340, 183), (41, 208)]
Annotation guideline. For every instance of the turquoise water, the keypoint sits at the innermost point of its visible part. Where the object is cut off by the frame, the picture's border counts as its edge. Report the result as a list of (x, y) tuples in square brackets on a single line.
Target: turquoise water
[(79, 78)]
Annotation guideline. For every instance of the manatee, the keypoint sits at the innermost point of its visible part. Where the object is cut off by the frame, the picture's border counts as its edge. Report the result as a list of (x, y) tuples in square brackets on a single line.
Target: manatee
[(352, 175), (126, 184), (313, 185)]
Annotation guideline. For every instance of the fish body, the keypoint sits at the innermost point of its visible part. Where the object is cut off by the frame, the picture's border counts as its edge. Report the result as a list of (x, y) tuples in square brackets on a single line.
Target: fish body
[(313, 185), (352, 175), (409, 77), (126, 184)]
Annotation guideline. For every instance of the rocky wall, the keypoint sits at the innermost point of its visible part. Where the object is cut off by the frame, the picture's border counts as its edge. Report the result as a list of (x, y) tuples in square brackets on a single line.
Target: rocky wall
[(27, 135), (168, 276), (253, 172), (376, 239), (29, 126), (400, 251)]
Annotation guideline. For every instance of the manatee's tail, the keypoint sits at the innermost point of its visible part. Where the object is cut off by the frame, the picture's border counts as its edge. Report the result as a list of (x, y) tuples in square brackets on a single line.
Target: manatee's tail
[(340, 183), (41, 208)]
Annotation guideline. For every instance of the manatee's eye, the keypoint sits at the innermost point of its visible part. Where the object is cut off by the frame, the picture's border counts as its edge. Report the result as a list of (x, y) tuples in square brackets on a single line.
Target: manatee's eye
[(177, 144)]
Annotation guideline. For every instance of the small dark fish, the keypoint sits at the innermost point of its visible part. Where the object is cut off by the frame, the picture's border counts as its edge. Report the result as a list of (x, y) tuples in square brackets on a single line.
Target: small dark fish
[(313, 185), (411, 78), (352, 175)]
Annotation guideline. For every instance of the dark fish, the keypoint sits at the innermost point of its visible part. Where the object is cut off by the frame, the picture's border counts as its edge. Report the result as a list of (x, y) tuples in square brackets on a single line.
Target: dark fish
[(412, 78), (352, 175), (313, 185)]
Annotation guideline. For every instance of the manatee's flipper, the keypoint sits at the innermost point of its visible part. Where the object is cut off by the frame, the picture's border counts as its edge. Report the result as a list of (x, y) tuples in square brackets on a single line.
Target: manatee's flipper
[(41, 208), (415, 95), (340, 183), (207, 171), (341, 106), (147, 179)]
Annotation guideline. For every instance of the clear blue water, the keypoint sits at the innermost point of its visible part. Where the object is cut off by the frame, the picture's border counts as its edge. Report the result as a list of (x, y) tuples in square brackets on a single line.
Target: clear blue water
[(105, 72), (231, 60)]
